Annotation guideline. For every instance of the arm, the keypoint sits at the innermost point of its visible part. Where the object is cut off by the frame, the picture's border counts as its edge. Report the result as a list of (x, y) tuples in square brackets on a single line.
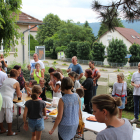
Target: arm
[(43, 70), (80, 76), (98, 76), (5, 64), (24, 119), (42, 73), (17, 87), (133, 84), (44, 111), (59, 116), (55, 89), (33, 72)]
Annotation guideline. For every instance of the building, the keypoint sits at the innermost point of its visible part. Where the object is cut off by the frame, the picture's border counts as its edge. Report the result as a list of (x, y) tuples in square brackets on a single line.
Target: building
[(33, 31), (24, 21)]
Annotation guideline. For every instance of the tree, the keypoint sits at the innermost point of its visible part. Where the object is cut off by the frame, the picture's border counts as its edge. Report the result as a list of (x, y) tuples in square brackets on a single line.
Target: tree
[(98, 51), (9, 12), (129, 10), (104, 28), (116, 51), (50, 25), (33, 43), (135, 51), (83, 50)]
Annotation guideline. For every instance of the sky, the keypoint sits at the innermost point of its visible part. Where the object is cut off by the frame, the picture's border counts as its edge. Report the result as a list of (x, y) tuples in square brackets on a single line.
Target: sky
[(76, 10)]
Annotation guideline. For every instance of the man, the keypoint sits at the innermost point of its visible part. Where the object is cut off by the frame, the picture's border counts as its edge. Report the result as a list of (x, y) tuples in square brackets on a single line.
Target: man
[(33, 62), (3, 76), (135, 81), (74, 66), (95, 75)]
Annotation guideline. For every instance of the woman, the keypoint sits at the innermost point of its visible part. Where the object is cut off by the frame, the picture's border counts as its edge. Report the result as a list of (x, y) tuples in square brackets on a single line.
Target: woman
[(87, 85), (4, 64), (37, 73), (10, 85), (68, 112), (120, 90), (105, 110), (74, 76), (56, 88), (20, 78)]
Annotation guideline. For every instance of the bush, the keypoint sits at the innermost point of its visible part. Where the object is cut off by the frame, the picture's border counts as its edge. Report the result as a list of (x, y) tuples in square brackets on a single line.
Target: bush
[(47, 54), (59, 49)]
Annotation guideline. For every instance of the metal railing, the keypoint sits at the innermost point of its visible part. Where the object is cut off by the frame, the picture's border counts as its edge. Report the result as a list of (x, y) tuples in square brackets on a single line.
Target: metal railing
[(134, 64)]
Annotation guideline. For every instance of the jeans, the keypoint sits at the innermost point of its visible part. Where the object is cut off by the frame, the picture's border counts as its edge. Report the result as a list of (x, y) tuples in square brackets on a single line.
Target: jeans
[(94, 90), (136, 99)]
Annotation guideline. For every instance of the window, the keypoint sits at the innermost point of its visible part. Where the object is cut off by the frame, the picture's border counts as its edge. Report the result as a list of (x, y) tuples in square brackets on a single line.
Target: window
[(109, 37), (137, 37), (132, 36)]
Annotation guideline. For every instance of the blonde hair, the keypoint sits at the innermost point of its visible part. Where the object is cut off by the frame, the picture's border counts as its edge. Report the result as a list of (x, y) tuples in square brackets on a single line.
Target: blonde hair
[(105, 101), (121, 75), (35, 91), (59, 70), (42, 79)]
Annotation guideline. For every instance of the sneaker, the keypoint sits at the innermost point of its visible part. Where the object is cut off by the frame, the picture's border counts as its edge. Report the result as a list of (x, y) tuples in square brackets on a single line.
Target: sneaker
[(134, 120)]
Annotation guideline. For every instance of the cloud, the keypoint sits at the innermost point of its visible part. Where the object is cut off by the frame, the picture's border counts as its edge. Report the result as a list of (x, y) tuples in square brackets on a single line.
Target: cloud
[(77, 10)]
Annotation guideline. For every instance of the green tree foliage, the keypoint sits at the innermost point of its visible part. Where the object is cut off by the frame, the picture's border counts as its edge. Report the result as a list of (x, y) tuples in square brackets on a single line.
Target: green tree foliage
[(59, 49), (50, 25), (33, 43), (9, 12), (117, 51), (83, 50), (71, 49), (98, 51), (135, 51), (48, 43), (104, 28)]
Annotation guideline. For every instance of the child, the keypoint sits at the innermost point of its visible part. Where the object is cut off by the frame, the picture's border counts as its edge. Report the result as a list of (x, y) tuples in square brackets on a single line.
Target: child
[(56, 88), (80, 92), (28, 91), (33, 109), (43, 94)]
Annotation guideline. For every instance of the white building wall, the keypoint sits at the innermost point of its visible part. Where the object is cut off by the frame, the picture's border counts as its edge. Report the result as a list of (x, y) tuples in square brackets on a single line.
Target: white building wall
[(33, 34), (19, 58)]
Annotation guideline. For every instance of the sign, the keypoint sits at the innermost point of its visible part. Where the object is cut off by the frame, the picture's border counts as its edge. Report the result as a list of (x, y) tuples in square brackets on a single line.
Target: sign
[(40, 50), (128, 56)]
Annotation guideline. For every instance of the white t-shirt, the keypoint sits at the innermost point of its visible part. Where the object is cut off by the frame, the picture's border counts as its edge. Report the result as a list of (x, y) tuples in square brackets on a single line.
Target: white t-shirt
[(32, 63), (58, 93), (3, 76), (117, 88), (136, 80)]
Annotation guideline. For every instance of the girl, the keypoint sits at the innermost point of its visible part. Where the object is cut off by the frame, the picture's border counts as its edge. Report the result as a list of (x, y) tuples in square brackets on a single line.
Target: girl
[(74, 76), (43, 94), (28, 91), (37, 73), (60, 72), (80, 92), (33, 109), (56, 89)]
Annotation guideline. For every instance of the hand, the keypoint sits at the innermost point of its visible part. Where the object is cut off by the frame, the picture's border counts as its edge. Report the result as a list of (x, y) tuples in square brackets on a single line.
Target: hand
[(50, 83), (125, 101), (25, 126), (115, 98), (82, 87), (51, 131), (137, 86)]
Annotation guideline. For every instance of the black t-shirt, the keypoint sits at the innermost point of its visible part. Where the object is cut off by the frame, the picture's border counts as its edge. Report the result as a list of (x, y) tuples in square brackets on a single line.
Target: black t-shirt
[(35, 108), (2, 62), (43, 94)]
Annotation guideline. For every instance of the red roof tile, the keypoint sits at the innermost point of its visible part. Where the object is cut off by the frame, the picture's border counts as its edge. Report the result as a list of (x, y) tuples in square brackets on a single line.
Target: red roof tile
[(34, 29)]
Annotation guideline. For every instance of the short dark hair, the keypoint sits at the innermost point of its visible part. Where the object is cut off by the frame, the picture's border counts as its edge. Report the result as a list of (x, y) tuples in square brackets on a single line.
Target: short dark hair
[(16, 67), (13, 73), (66, 83), (89, 72), (57, 75), (80, 92), (92, 61), (34, 82), (51, 70)]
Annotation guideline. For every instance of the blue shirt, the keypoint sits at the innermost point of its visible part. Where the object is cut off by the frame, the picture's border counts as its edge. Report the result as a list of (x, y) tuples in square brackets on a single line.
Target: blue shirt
[(77, 68), (82, 102)]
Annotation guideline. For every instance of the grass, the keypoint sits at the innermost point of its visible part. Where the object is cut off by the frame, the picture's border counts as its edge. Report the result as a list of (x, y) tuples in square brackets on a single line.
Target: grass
[(103, 70), (64, 64), (118, 70), (49, 94)]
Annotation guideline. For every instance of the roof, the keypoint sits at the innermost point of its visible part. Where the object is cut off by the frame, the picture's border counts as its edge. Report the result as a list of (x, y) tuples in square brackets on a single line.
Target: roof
[(131, 35), (34, 29), (28, 20)]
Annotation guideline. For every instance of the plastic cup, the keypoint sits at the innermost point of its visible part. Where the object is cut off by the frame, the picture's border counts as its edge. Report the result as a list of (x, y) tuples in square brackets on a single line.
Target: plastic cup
[(134, 126)]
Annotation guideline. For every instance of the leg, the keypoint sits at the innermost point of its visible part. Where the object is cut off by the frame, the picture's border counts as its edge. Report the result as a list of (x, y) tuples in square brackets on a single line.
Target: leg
[(88, 108), (38, 135), (136, 106), (120, 113), (1, 121), (33, 136), (94, 91)]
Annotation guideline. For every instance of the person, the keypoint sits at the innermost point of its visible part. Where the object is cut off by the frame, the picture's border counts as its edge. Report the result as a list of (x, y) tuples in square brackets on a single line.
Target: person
[(135, 81), (8, 88), (1, 69), (32, 64), (68, 112), (33, 109), (37, 73), (105, 110), (95, 75), (27, 89), (4, 64), (57, 88), (3, 76), (80, 92), (120, 90), (20, 78), (31, 84), (43, 94), (87, 85), (74, 76), (74, 66), (60, 72)]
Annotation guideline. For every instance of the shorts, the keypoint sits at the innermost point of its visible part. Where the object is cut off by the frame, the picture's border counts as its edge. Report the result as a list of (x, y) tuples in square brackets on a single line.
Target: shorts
[(8, 114), (36, 124), (123, 103)]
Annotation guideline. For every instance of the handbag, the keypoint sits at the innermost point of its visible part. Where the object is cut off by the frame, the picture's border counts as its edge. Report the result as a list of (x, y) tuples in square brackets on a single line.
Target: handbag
[(81, 123)]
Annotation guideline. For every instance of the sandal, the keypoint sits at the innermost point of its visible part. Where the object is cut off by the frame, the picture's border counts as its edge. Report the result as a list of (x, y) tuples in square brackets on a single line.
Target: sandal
[(2, 132), (14, 133)]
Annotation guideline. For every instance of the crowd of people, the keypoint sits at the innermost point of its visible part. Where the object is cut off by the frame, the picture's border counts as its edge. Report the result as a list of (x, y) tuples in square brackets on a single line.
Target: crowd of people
[(74, 97)]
